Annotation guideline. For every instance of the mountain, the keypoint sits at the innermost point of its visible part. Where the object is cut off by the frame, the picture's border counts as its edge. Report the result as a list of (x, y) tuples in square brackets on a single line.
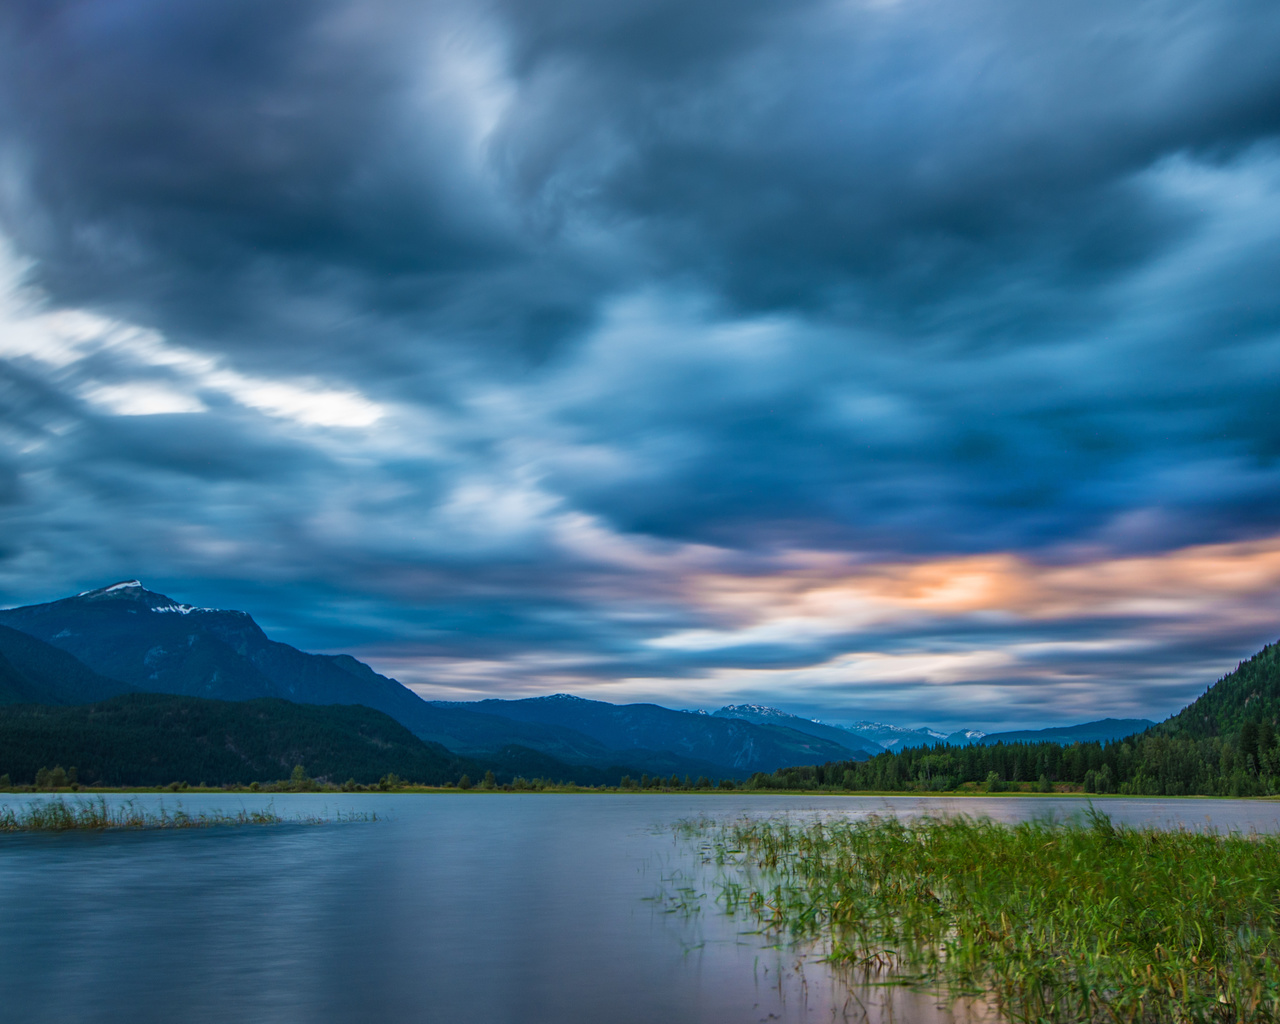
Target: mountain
[(149, 739), (515, 760), (152, 643), (1225, 743), (1101, 731), (763, 715), (155, 644), (33, 672), (483, 731), (741, 746), (962, 737), (1249, 694), (895, 737)]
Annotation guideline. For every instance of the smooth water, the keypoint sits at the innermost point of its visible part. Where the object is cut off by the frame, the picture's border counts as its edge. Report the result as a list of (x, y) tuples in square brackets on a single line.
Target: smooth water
[(468, 908)]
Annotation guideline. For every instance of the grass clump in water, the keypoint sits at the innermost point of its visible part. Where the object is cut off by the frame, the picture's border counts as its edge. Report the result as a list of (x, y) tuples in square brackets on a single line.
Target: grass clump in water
[(60, 816), (1080, 922)]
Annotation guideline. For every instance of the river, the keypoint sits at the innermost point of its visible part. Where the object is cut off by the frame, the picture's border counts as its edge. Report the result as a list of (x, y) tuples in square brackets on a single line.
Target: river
[(466, 908)]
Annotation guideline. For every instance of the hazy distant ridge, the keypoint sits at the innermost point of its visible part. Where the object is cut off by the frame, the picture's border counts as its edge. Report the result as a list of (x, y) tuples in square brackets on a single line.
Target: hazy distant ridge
[(1101, 731)]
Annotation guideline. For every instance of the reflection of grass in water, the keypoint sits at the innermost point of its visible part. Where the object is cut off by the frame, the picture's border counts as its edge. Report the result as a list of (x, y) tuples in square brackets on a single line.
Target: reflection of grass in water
[(59, 816), (1092, 922)]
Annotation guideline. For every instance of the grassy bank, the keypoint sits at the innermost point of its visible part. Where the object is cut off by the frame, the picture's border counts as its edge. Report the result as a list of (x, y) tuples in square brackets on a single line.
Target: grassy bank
[(95, 815), (1092, 922)]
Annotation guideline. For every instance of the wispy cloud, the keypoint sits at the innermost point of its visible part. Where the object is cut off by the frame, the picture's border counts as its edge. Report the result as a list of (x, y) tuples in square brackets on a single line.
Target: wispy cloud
[(131, 371)]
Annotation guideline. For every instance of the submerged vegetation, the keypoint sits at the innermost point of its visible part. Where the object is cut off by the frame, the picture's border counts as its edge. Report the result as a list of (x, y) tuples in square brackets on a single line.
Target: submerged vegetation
[(1051, 922), (95, 815)]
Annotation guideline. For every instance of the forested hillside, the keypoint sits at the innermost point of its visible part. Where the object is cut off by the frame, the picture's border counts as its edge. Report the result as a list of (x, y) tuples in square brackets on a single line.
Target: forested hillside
[(34, 672), (1249, 694), (153, 739), (1223, 744)]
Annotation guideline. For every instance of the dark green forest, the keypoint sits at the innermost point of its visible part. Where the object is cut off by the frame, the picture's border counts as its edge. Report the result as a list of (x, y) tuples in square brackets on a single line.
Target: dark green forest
[(32, 671), (1223, 744), (1226, 743), (152, 739)]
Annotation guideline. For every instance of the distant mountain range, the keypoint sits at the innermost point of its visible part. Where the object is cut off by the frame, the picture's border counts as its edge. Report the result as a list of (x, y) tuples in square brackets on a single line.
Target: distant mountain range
[(124, 638), (1225, 743), (1101, 731), (876, 737), (892, 737), (734, 742), (895, 737), (762, 715)]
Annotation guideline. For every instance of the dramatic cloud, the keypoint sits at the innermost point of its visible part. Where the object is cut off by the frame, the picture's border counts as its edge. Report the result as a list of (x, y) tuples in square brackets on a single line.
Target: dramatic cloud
[(910, 359)]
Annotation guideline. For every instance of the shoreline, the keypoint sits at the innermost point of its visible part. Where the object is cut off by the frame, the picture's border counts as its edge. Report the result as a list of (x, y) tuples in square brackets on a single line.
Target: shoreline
[(611, 791)]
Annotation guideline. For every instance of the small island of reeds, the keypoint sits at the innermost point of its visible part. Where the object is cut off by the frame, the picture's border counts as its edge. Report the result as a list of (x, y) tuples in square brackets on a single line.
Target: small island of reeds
[(98, 815), (1089, 921)]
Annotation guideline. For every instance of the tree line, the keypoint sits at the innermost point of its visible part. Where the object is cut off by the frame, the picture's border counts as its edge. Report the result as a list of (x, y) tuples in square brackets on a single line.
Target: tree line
[(1245, 763), (1224, 743)]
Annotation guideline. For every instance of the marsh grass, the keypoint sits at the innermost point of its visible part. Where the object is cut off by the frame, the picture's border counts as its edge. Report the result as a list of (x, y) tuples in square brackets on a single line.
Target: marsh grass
[(61, 816), (1052, 922)]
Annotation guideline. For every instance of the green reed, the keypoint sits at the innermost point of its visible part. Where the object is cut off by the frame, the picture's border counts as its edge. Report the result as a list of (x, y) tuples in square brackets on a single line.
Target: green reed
[(1053, 922), (60, 816)]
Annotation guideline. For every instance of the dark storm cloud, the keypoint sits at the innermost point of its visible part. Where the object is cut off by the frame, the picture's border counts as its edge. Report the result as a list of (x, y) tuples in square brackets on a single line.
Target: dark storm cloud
[(899, 152), (240, 172), (481, 330)]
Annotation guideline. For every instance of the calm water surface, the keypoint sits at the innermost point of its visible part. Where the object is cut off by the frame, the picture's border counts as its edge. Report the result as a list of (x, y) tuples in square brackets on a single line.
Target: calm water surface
[(468, 908)]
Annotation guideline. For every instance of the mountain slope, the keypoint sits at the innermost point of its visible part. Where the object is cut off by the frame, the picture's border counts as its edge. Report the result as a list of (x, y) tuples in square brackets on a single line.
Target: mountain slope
[(1101, 731), (1249, 694), (35, 672), (15, 688), (151, 739), (1225, 743), (127, 632), (895, 737), (963, 737), (762, 715), (741, 746), (155, 644), (158, 645)]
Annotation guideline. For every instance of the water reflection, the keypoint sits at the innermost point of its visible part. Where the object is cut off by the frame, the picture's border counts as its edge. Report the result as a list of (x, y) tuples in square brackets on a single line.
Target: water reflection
[(482, 909)]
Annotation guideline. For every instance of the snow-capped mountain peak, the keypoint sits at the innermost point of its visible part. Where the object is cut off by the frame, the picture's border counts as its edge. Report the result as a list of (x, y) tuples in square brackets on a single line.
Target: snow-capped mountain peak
[(122, 585), (760, 710), (137, 598), (969, 734)]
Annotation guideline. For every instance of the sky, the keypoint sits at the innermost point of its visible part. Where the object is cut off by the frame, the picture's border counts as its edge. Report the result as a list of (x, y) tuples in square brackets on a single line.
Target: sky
[(905, 360)]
